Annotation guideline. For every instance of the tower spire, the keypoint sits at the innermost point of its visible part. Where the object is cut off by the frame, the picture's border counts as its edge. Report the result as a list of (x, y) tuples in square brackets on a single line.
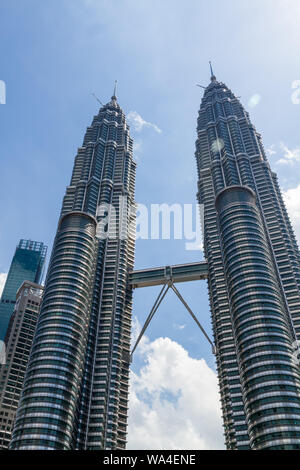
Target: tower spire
[(212, 75), (114, 96)]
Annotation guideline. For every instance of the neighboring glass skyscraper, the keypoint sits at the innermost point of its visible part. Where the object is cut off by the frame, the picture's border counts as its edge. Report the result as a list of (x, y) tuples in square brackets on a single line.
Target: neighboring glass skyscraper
[(254, 277), (75, 392), (27, 265)]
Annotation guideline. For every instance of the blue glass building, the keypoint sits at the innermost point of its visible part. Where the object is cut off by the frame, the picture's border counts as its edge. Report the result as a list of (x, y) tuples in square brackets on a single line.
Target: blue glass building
[(27, 265)]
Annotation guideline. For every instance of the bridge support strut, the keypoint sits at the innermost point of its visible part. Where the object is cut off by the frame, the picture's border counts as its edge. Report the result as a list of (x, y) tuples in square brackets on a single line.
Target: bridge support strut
[(155, 307)]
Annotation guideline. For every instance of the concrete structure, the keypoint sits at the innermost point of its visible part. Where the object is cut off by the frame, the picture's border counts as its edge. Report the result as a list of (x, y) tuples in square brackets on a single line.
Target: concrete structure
[(19, 341)]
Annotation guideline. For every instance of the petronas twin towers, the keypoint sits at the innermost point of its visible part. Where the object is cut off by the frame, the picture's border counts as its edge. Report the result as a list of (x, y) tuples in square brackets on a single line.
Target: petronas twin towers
[(75, 394)]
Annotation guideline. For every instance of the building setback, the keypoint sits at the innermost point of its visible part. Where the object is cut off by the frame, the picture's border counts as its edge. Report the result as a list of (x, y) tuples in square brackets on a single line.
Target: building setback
[(78, 372), (19, 341), (27, 265), (253, 276)]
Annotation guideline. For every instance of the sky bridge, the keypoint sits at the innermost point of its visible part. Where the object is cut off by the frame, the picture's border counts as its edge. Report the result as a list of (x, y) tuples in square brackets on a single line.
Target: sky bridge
[(160, 276), (167, 276)]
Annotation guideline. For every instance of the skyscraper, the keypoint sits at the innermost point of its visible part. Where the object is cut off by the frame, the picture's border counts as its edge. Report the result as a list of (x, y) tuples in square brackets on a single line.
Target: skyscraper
[(27, 265), (76, 388), (19, 341), (254, 277)]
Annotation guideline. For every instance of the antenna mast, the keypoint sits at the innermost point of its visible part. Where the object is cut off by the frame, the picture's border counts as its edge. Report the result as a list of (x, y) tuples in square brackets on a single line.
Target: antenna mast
[(95, 96)]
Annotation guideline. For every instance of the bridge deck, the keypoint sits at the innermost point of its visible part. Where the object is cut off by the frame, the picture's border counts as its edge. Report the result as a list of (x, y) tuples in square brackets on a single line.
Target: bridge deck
[(178, 273)]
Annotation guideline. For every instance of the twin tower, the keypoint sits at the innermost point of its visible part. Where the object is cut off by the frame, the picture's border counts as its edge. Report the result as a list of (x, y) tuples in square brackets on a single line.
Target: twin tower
[(75, 394)]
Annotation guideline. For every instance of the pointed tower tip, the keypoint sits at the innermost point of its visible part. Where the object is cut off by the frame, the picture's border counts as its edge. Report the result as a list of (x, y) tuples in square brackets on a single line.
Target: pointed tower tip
[(114, 96), (212, 75)]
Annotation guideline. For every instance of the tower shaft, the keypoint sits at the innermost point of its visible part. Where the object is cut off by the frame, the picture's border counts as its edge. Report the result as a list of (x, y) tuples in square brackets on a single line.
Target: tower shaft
[(77, 377), (254, 277)]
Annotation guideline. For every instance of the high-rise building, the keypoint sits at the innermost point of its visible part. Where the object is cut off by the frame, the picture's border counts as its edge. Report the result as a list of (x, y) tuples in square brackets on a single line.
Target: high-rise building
[(19, 341), (27, 265), (76, 387), (253, 275)]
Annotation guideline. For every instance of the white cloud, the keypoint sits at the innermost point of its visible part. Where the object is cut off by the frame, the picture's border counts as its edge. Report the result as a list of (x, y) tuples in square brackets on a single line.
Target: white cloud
[(174, 400), (254, 100), (135, 330), (271, 150), (178, 327), (3, 277), (292, 200), (138, 122), (137, 148), (290, 157)]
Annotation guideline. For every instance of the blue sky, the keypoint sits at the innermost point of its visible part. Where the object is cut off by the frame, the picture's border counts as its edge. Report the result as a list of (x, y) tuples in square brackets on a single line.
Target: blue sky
[(55, 54)]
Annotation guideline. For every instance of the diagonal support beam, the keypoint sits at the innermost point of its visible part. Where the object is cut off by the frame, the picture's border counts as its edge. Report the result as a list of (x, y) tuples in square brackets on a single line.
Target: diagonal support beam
[(157, 303), (193, 316), (154, 309)]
